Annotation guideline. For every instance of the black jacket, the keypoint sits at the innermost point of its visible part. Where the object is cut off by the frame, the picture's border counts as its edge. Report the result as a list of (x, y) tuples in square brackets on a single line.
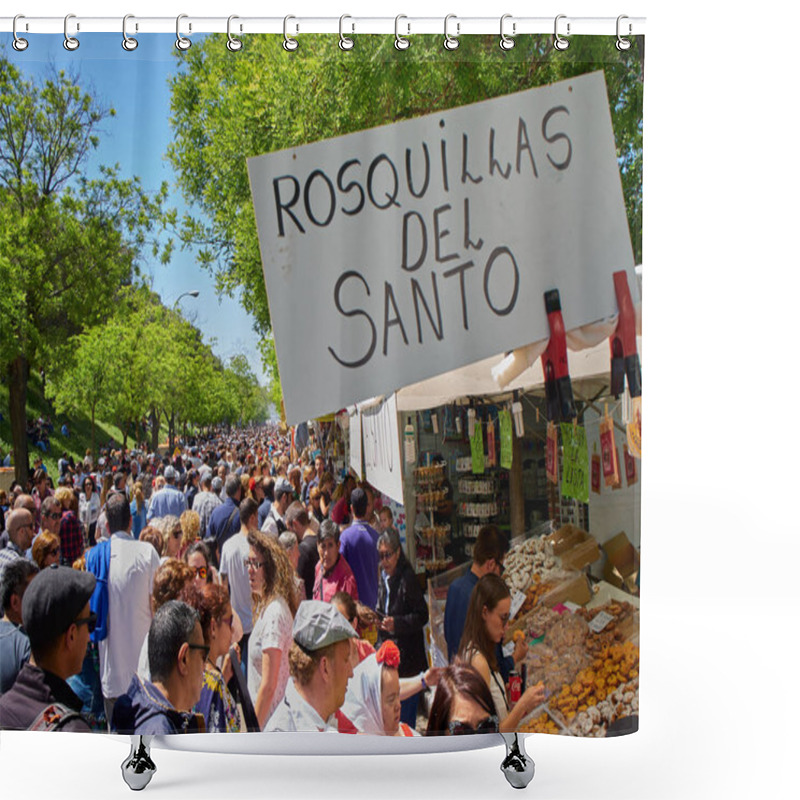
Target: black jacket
[(410, 612), (32, 692)]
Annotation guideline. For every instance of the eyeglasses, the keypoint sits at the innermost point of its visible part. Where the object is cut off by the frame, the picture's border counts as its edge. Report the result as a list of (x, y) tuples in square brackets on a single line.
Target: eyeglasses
[(488, 725), (200, 572), (386, 554), (250, 563), (203, 648), (53, 514), (177, 533), (90, 621)]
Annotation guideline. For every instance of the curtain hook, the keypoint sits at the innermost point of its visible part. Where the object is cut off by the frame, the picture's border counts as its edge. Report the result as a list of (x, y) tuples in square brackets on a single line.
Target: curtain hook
[(70, 42), (400, 42), (345, 43), (623, 44), (559, 42), (128, 42), (507, 42), (19, 44), (182, 43), (289, 44), (451, 42), (233, 44)]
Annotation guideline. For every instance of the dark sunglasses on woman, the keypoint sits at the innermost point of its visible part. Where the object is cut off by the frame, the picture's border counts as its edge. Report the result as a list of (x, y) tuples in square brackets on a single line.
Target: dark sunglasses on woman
[(488, 725)]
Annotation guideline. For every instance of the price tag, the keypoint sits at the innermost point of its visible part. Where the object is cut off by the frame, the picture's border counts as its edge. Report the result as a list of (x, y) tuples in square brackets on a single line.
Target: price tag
[(600, 621), (517, 599)]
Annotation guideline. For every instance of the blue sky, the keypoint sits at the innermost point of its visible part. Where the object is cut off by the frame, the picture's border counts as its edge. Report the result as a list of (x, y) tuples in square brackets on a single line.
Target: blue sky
[(135, 85)]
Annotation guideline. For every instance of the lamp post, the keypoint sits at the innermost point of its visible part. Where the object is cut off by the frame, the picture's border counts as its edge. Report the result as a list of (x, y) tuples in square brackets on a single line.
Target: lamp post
[(192, 293)]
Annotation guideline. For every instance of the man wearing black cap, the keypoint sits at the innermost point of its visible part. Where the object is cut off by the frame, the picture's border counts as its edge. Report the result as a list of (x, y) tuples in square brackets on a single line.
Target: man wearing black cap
[(57, 619)]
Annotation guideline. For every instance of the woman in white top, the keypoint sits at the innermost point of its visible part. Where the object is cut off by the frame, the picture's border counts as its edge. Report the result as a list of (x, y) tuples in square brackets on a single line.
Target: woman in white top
[(274, 594), (485, 626), (89, 508)]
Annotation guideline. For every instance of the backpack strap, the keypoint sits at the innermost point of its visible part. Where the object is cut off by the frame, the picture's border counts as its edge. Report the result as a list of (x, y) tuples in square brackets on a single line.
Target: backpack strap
[(53, 718)]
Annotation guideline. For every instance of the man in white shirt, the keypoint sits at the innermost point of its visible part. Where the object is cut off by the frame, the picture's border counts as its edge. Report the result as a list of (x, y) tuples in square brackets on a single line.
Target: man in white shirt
[(320, 667), (275, 523), (132, 567), (234, 574)]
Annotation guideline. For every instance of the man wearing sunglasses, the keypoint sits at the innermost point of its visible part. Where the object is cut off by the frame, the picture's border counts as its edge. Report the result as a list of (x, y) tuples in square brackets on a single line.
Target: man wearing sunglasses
[(58, 621), (177, 655)]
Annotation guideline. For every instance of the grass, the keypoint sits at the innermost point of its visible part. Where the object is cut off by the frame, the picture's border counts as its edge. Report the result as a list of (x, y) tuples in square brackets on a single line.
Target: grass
[(80, 428)]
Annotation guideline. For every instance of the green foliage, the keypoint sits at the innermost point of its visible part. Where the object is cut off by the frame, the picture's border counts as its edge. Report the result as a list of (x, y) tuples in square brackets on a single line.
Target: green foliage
[(227, 107)]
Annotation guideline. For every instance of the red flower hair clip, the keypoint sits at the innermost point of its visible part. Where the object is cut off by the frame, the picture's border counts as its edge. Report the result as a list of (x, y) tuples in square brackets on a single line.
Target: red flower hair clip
[(388, 654)]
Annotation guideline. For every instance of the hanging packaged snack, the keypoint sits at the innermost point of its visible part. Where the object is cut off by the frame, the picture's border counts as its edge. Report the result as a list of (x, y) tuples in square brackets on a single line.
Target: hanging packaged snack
[(634, 428), (608, 451), (596, 470), (491, 457), (551, 453), (630, 466), (476, 448)]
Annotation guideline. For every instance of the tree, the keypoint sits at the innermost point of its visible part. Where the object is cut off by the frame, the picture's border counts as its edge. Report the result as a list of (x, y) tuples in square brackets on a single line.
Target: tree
[(227, 107), (69, 241)]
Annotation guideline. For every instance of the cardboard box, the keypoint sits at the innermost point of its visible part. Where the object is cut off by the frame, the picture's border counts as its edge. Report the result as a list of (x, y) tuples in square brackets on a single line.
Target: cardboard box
[(580, 556), (576, 590), (622, 563), (565, 538)]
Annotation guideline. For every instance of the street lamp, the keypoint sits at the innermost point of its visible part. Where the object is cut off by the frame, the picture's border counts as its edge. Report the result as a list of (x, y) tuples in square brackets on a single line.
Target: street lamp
[(192, 293)]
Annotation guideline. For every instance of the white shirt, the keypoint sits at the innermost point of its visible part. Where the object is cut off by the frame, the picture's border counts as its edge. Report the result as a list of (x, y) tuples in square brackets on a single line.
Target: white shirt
[(272, 630), (295, 714), (132, 567), (231, 564), (270, 525)]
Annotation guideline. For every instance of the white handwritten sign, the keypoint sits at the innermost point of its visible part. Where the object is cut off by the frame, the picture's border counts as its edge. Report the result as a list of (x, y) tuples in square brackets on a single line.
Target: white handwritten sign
[(355, 444), (428, 244), (382, 462)]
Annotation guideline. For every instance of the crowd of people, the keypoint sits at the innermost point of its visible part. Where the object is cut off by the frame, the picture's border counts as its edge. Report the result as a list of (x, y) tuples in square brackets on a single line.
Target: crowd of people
[(236, 585)]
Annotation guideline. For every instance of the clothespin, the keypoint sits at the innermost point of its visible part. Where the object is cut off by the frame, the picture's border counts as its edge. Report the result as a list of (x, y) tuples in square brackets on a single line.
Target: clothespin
[(624, 358), (557, 383)]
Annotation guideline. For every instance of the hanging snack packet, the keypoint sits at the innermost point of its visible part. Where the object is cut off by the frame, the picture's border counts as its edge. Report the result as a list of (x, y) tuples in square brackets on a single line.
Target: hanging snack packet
[(596, 471), (551, 453), (491, 456), (608, 451), (630, 466)]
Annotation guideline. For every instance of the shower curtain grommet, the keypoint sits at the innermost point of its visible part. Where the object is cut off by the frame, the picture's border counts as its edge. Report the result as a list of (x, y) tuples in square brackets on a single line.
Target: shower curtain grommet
[(19, 44), (70, 42)]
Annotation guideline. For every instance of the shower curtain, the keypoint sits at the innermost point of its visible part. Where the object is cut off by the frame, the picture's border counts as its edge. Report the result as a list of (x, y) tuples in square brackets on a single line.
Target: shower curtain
[(443, 242)]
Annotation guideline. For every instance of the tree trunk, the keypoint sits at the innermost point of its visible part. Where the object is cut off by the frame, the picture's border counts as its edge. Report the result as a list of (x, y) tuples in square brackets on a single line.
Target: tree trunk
[(18, 373), (94, 443), (172, 432), (156, 425)]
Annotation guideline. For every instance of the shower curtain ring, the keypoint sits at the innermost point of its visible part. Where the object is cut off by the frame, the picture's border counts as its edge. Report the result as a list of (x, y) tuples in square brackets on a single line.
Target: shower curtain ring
[(507, 42), (19, 44), (400, 42), (622, 43), (70, 42), (128, 42), (233, 44), (182, 43), (345, 42), (559, 42), (289, 44), (451, 42)]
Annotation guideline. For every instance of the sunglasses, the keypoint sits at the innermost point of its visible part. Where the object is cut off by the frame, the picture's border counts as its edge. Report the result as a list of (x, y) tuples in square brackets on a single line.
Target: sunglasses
[(53, 515), (488, 725), (201, 572), (90, 621), (385, 556), (203, 648), (177, 533)]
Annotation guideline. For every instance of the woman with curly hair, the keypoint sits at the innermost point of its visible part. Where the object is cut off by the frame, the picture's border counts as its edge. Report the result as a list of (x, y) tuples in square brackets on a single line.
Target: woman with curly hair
[(190, 530), (274, 597)]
